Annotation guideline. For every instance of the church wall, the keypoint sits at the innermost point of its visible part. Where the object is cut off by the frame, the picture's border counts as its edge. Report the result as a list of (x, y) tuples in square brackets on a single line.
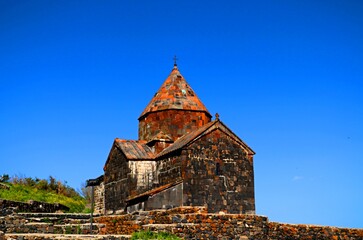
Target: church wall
[(142, 175), (116, 182), (153, 174), (99, 198), (169, 169), (169, 198), (218, 173), (176, 123)]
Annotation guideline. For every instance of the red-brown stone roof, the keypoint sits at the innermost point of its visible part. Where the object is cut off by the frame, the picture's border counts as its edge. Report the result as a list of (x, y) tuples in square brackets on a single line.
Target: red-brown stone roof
[(184, 140), (136, 150), (174, 93)]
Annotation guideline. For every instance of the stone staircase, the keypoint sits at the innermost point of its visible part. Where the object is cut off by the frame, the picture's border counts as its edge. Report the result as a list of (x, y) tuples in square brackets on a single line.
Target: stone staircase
[(34, 226), (186, 222), (39, 226), (42, 236)]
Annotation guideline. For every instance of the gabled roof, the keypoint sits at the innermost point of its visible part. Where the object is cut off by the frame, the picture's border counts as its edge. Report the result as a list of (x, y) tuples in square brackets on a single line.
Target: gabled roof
[(196, 134), (184, 140), (174, 93), (136, 150), (139, 150)]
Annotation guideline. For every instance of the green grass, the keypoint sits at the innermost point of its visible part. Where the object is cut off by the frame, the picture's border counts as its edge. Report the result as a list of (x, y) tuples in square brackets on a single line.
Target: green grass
[(153, 235), (24, 193)]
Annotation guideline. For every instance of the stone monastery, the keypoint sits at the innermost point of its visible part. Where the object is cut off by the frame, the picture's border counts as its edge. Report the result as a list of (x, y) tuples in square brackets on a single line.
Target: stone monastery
[(187, 175), (182, 158)]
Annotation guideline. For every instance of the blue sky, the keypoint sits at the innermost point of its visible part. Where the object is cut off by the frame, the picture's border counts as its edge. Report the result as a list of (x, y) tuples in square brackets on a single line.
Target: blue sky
[(285, 76)]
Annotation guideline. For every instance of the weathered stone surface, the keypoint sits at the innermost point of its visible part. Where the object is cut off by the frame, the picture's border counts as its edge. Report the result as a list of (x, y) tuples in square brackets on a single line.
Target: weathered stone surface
[(37, 236), (117, 181), (189, 223), (186, 222), (279, 231), (175, 123), (229, 188), (195, 223), (174, 110), (48, 223), (99, 198), (31, 206)]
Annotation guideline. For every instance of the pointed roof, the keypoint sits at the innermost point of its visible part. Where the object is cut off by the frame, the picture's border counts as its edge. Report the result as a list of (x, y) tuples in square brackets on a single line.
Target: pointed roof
[(132, 149), (175, 93), (139, 150)]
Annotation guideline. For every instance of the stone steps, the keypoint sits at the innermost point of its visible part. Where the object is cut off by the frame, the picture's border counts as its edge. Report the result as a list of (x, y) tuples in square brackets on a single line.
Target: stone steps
[(39, 236), (40, 227), (77, 228), (48, 223), (161, 227), (58, 215)]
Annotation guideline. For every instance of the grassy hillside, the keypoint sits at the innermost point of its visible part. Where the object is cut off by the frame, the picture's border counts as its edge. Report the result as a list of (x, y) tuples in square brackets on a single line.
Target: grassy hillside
[(50, 191)]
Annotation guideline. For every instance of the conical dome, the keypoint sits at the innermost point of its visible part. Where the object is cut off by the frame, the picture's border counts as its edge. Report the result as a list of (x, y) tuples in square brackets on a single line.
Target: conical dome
[(175, 110), (174, 93)]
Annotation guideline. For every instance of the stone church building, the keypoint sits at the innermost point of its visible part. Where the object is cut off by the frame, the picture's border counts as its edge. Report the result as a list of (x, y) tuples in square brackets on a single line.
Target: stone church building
[(181, 158)]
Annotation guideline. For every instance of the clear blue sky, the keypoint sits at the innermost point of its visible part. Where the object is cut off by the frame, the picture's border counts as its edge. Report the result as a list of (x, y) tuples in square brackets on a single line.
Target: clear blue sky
[(285, 76)]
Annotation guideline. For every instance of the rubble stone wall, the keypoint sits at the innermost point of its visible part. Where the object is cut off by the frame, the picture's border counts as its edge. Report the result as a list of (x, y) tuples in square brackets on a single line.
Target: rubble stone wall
[(186, 222), (278, 231), (30, 206), (196, 223), (47, 223)]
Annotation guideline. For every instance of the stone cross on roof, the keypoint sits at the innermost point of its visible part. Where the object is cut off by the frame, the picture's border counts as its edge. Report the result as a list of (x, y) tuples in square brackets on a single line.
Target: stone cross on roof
[(175, 59)]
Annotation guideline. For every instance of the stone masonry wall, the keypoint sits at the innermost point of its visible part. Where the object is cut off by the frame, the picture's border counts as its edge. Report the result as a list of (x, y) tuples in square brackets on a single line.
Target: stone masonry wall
[(99, 198), (186, 222), (217, 172), (169, 198), (175, 123), (50, 223), (117, 184), (280, 231), (31, 206), (196, 223), (142, 173), (169, 169)]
